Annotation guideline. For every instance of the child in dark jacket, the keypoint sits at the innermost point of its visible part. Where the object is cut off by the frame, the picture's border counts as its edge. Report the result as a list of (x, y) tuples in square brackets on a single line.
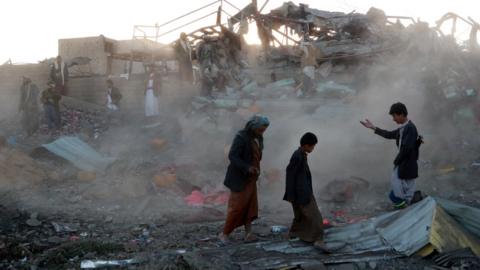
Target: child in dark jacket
[(307, 222)]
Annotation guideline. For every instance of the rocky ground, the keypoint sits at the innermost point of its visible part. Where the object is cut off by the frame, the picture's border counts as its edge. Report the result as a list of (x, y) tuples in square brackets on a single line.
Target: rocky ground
[(51, 218)]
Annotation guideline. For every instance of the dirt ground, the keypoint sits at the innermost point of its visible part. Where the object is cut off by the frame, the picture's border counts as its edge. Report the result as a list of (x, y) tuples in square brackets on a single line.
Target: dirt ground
[(57, 222)]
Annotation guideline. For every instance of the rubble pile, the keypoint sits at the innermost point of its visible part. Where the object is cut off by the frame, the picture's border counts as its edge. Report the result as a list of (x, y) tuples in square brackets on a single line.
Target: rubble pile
[(17, 169), (358, 53), (336, 33), (89, 123), (221, 61)]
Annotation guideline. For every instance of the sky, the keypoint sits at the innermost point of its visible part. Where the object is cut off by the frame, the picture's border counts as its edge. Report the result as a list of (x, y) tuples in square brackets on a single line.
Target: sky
[(31, 28)]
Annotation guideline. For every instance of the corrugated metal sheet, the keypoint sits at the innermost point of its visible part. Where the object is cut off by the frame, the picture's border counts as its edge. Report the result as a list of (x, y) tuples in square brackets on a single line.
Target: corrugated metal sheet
[(79, 154), (425, 227), (409, 230), (359, 237), (447, 234), (467, 216)]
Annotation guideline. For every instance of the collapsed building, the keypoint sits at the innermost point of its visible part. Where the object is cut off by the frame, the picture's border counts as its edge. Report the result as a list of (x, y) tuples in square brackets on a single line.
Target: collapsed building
[(115, 190)]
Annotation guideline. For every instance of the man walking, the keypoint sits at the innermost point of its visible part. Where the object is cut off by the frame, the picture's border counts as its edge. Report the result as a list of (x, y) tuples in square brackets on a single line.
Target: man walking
[(405, 164)]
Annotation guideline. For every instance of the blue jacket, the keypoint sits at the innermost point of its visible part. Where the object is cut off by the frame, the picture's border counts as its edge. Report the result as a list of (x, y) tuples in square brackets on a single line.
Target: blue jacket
[(298, 188), (406, 159), (240, 157)]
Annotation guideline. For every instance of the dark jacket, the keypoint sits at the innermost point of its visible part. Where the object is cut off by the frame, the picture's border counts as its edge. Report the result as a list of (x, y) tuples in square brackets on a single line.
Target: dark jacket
[(115, 95), (240, 156), (298, 188), (406, 159), (51, 98)]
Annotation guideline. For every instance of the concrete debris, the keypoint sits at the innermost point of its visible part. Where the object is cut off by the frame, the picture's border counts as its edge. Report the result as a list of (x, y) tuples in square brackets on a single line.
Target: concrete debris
[(64, 227), (458, 259), (333, 89), (221, 62), (33, 220), (79, 117)]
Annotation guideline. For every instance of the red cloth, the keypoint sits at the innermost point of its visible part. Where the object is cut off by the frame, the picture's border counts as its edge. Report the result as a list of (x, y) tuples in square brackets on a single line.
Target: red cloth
[(196, 198)]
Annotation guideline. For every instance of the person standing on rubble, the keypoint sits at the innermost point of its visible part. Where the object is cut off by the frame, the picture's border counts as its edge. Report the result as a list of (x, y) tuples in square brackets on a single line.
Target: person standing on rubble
[(405, 169), (183, 51), (28, 106), (205, 52), (152, 92), (307, 223), (59, 75), (113, 96), (50, 99), (309, 62), (242, 175)]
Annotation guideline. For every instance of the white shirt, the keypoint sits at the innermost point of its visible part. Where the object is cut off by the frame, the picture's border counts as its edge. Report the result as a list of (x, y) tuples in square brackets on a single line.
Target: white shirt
[(402, 126)]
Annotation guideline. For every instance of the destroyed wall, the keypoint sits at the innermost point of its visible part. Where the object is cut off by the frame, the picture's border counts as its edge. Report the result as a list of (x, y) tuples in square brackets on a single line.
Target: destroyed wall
[(97, 49), (148, 47), (11, 80)]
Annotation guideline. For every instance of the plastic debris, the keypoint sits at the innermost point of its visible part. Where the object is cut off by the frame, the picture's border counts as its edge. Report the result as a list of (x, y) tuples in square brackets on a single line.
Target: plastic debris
[(279, 229), (95, 264)]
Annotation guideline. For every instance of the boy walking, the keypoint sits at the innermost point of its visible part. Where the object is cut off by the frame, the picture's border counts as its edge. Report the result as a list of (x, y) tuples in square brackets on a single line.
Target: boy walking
[(307, 222), (405, 164)]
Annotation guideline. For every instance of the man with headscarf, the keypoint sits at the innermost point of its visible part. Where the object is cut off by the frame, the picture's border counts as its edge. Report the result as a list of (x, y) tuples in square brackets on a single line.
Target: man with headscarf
[(28, 106), (242, 175), (59, 75), (183, 50)]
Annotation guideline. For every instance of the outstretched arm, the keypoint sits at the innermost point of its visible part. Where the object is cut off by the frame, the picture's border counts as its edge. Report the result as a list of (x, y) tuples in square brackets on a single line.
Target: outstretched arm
[(391, 135)]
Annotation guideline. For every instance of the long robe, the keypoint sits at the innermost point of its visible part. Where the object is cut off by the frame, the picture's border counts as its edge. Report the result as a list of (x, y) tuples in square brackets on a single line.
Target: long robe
[(243, 205), (307, 223)]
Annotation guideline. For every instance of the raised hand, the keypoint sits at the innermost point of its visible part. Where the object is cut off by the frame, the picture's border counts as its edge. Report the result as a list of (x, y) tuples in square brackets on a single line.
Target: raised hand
[(367, 124)]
